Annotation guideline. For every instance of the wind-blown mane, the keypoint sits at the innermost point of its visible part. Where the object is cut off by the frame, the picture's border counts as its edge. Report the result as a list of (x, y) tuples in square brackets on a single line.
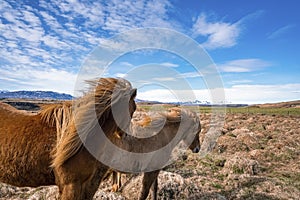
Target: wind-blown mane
[(89, 110), (58, 115), (144, 123)]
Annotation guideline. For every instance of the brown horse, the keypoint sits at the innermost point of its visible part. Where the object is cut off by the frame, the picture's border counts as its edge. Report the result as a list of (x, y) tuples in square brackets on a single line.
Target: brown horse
[(47, 149), (143, 125)]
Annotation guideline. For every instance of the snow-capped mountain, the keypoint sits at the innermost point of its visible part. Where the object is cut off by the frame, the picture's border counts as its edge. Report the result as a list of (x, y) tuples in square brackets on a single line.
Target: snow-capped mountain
[(35, 95)]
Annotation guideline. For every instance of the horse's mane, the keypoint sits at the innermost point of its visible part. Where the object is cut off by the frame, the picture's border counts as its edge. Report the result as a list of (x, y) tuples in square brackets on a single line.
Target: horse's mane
[(103, 93), (144, 123), (172, 115), (58, 115)]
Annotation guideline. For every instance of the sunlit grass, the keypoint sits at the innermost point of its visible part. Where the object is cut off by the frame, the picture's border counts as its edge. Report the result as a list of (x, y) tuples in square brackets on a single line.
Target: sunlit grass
[(266, 111), (232, 110)]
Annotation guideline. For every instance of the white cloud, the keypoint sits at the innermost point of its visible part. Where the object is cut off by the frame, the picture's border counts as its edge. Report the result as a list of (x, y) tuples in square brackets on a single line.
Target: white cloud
[(190, 75), (63, 32), (51, 21), (120, 75), (53, 42), (91, 13), (164, 95), (127, 64), (280, 31), (168, 64), (243, 65), (248, 94), (262, 93), (243, 81), (164, 79), (219, 34), (122, 15), (33, 79)]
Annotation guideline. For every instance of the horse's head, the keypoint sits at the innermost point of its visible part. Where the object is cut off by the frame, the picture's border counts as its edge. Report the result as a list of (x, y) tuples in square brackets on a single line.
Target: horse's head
[(116, 97), (195, 146), (194, 128)]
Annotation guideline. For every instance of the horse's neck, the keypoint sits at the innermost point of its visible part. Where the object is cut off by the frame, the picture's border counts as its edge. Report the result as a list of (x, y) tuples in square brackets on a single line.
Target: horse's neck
[(131, 142)]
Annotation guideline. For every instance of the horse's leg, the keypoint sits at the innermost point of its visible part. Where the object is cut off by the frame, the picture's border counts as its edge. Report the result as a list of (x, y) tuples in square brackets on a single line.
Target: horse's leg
[(69, 187), (74, 174), (148, 180), (116, 181), (154, 188), (92, 185), (70, 192)]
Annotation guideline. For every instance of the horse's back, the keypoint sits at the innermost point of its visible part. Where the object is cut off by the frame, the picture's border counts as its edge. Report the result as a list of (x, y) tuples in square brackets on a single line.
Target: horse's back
[(25, 146)]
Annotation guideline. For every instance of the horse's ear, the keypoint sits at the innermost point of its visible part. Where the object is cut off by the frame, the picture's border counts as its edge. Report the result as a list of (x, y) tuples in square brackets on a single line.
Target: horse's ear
[(133, 93)]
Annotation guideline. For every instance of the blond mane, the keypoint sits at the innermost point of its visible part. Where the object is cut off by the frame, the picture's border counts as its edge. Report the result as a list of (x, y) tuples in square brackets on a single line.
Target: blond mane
[(58, 115), (144, 123), (172, 115), (103, 93)]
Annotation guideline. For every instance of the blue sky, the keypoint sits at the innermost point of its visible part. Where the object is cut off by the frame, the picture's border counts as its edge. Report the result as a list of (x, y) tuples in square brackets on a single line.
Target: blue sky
[(254, 44)]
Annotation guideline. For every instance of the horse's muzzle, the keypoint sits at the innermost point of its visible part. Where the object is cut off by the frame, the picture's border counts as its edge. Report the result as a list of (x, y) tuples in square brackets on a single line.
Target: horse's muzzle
[(196, 149)]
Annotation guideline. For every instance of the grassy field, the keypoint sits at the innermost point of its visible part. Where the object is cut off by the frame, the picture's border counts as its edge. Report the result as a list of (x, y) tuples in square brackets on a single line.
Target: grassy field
[(232, 110), (266, 111)]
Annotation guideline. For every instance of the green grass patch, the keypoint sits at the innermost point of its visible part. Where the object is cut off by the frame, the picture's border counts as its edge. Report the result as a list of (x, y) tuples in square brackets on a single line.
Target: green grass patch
[(288, 178), (217, 186), (230, 110), (237, 170), (265, 111)]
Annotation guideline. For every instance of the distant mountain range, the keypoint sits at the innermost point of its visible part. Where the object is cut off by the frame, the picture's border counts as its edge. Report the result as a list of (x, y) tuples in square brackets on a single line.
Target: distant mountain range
[(191, 103), (196, 102), (35, 95)]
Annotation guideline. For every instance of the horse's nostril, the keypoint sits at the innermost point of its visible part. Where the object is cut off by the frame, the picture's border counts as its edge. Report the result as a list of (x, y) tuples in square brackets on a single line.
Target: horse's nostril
[(196, 150)]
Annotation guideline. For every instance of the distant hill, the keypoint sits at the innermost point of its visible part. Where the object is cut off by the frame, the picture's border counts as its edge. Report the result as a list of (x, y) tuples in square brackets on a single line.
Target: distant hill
[(288, 104), (189, 103), (35, 95)]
